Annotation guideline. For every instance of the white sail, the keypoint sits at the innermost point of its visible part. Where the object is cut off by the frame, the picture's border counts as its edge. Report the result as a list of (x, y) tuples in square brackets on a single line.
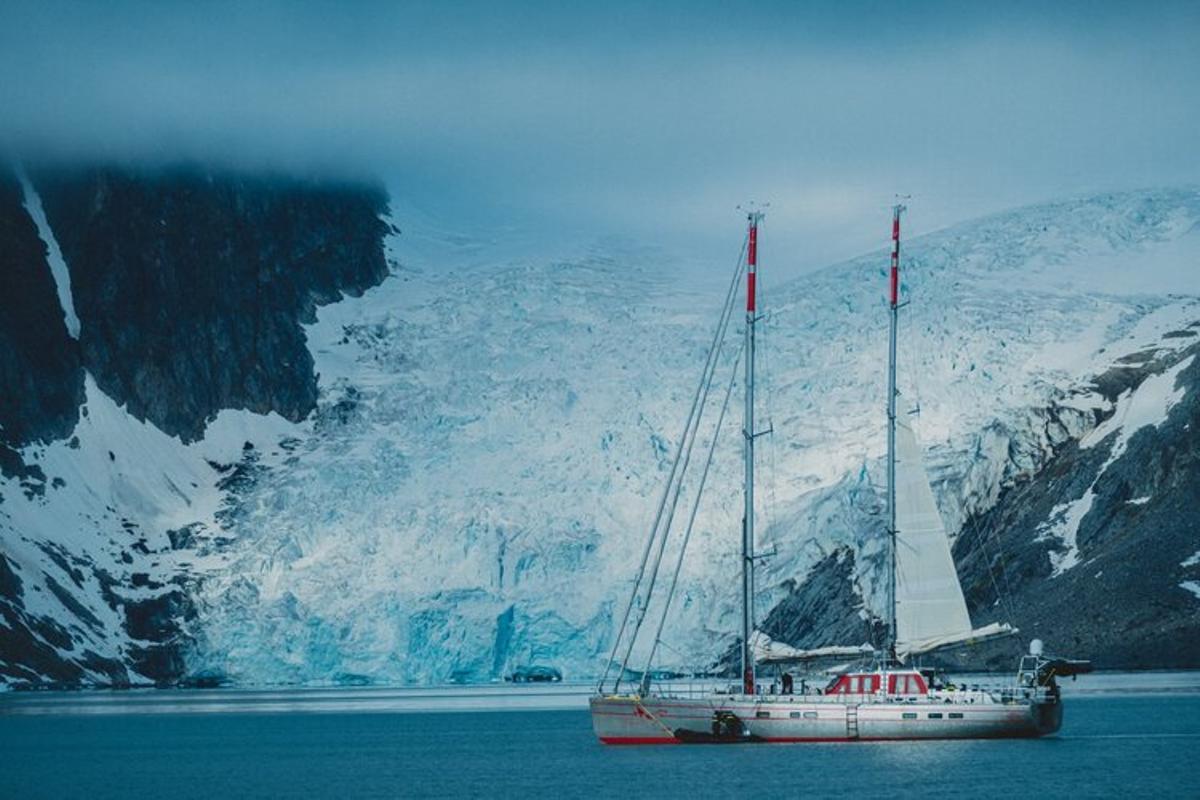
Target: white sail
[(930, 609)]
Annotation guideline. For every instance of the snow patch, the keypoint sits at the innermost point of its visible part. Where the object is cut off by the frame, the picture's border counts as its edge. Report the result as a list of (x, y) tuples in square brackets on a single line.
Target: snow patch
[(1191, 586), (1146, 405), (58, 267), (112, 493)]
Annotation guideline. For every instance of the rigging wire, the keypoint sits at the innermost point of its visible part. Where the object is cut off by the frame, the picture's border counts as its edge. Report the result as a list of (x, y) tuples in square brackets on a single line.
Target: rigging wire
[(709, 364), (687, 534), (678, 490)]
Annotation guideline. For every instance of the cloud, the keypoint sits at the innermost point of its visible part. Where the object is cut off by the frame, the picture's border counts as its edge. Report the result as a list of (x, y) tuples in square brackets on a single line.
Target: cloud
[(656, 119)]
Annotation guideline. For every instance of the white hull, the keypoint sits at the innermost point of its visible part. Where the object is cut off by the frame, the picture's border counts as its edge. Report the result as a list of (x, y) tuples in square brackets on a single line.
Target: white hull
[(776, 718)]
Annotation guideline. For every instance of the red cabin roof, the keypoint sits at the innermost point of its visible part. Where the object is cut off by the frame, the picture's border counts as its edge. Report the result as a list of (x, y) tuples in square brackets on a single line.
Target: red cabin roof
[(905, 682)]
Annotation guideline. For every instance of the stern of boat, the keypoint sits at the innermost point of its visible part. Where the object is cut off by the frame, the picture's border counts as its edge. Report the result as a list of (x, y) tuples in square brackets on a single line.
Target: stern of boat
[(1047, 716)]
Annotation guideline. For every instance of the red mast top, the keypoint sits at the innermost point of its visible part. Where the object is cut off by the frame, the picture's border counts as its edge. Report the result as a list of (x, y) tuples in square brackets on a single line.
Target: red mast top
[(895, 277), (751, 263)]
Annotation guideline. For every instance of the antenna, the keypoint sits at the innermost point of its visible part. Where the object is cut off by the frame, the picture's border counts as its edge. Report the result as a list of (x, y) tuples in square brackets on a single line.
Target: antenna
[(753, 210)]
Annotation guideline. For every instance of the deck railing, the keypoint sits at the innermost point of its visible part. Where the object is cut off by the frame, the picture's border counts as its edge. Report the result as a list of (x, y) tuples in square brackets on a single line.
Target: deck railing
[(1006, 693)]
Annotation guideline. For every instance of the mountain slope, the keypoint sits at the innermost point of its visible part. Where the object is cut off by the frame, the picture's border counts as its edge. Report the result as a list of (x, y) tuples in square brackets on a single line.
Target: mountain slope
[(1096, 550), (470, 484)]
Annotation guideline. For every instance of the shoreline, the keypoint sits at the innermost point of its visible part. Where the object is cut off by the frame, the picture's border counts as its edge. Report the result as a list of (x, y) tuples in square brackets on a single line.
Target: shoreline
[(455, 698)]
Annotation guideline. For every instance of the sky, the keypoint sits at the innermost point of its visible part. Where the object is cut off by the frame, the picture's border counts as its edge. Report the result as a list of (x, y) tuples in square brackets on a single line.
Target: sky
[(652, 121)]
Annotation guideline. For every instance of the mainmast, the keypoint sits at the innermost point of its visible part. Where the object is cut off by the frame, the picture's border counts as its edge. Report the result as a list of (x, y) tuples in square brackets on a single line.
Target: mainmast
[(894, 315), (748, 685)]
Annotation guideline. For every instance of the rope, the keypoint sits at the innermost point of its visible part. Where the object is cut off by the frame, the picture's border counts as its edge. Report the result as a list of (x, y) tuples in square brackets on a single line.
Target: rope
[(650, 715), (730, 294)]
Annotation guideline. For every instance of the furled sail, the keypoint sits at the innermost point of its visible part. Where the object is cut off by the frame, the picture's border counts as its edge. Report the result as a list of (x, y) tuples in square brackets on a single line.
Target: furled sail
[(930, 610), (769, 651)]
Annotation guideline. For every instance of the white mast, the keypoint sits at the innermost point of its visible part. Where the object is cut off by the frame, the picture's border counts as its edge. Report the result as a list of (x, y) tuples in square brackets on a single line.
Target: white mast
[(893, 316), (748, 686)]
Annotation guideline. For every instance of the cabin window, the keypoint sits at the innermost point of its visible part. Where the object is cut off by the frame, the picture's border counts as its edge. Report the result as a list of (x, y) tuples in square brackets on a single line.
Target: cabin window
[(906, 684), (810, 715), (956, 715), (794, 715), (935, 715), (909, 715), (854, 685), (762, 714)]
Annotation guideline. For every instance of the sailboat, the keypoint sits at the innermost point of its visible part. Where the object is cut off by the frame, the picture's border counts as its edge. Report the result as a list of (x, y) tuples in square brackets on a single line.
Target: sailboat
[(886, 694)]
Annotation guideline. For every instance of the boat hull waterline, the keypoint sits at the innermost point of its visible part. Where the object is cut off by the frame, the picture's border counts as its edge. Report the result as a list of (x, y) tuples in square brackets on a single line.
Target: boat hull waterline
[(629, 719)]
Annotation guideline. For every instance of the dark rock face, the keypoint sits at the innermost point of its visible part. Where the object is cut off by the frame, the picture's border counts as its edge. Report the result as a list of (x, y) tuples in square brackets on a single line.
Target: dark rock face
[(159, 626), (41, 382), (825, 609), (1122, 605), (190, 285)]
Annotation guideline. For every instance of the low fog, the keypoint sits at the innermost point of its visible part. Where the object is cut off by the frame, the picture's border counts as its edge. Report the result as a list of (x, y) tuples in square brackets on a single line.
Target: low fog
[(646, 120)]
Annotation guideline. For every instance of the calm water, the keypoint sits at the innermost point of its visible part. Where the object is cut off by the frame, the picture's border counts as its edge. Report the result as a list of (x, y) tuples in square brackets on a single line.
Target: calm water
[(371, 743)]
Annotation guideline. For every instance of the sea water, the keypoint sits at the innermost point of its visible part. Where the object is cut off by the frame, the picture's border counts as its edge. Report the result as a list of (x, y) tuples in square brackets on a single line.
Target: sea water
[(1122, 737)]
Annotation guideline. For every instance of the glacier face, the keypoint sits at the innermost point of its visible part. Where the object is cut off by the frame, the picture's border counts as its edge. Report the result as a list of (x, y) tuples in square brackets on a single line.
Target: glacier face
[(475, 487)]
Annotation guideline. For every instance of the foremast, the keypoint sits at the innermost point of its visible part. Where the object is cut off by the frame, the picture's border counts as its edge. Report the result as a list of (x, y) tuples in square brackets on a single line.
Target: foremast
[(893, 324), (748, 680)]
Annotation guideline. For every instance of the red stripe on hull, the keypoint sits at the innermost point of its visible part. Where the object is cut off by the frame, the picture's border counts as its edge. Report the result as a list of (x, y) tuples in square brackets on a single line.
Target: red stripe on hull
[(628, 740)]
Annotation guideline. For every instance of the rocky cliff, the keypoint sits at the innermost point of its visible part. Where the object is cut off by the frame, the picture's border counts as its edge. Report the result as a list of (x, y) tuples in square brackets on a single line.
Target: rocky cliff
[(161, 296)]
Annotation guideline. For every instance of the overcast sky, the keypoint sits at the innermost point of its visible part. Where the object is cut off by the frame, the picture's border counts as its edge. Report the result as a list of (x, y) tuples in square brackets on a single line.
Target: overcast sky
[(651, 119)]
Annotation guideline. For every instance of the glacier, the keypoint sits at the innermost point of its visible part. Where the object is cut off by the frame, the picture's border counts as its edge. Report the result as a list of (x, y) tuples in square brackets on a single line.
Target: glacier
[(474, 490), (494, 424)]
